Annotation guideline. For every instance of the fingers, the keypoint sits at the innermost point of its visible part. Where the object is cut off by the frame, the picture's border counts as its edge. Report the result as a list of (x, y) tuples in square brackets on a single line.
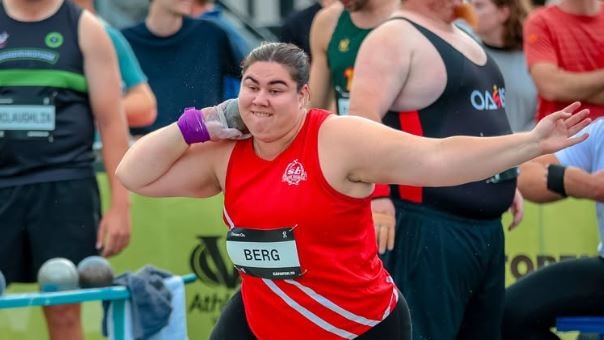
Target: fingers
[(575, 128), (385, 237), (566, 112), (577, 140), (230, 133), (516, 219), (384, 230), (577, 117), (114, 244), (382, 237), (390, 242), (572, 107), (111, 241), (100, 236)]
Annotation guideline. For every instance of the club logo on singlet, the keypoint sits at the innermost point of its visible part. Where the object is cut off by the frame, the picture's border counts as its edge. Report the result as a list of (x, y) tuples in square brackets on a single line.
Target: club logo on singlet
[(344, 45), (53, 39), (486, 100), (294, 173)]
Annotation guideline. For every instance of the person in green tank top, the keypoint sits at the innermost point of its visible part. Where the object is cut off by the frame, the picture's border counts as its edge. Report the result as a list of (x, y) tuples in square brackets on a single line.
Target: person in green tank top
[(335, 38)]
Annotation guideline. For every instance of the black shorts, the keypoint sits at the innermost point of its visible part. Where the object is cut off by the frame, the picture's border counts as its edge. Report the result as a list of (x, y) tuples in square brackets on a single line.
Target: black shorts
[(450, 269), (232, 323), (46, 220)]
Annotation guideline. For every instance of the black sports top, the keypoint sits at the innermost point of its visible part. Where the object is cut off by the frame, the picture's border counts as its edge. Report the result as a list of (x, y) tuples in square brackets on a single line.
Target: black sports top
[(46, 124), (472, 104)]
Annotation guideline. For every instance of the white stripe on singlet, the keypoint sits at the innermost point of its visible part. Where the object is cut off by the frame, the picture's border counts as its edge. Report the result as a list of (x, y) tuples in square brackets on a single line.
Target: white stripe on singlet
[(332, 306), (308, 314), (394, 296), (228, 218)]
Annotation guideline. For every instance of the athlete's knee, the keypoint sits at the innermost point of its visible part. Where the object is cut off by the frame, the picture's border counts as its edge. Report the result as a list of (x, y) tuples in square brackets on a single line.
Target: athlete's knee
[(63, 316)]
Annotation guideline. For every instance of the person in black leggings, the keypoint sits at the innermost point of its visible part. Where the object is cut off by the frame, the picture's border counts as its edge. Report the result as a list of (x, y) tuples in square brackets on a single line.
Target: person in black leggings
[(567, 288)]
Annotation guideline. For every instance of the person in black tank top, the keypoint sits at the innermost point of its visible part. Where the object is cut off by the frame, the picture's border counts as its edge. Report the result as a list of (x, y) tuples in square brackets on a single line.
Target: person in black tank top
[(448, 254), (58, 78)]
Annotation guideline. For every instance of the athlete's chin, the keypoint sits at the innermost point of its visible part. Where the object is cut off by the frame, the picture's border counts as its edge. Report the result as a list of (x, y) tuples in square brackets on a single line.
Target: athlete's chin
[(352, 6)]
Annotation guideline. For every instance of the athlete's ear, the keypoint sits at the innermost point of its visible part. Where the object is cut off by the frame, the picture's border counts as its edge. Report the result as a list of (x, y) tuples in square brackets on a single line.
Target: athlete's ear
[(304, 96)]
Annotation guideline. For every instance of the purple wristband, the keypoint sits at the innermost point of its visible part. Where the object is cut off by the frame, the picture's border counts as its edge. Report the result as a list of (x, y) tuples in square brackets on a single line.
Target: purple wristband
[(192, 126)]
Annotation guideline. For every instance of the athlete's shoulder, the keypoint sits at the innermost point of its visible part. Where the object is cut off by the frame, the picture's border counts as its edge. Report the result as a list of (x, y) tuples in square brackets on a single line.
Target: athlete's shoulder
[(328, 15), (323, 26), (397, 25), (91, 26), (543, 14), (399, 21)]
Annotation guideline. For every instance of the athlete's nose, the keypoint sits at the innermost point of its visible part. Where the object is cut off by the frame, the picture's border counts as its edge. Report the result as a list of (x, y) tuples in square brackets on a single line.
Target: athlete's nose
[(261, 98)]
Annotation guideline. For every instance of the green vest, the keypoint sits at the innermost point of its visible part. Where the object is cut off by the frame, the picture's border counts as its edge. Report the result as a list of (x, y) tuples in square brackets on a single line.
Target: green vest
[(341, 53)]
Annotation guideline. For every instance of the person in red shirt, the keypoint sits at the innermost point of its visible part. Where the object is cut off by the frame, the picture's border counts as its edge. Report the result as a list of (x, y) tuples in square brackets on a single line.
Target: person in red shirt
[(564, 48), (297, 196)]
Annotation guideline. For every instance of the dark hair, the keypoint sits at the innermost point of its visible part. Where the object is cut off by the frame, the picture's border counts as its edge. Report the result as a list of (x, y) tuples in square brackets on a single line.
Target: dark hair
[(512, 27), (286, 54)]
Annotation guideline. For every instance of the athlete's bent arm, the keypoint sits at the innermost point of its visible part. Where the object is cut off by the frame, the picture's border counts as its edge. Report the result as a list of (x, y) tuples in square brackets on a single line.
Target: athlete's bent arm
[(161, 163)]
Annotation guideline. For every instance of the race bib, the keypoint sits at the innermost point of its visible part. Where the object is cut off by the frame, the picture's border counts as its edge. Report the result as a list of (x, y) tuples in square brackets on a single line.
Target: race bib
[(342, 101), (269, 254), (34, 118)]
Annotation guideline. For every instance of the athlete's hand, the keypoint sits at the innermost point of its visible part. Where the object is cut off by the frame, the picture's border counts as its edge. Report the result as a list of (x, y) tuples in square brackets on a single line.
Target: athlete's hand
[(556, 131), (114, 231), (517, 210), (384, 221), (224, 121)]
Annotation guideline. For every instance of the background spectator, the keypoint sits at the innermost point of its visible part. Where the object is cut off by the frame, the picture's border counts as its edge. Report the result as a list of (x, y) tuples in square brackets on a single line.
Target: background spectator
[(50, 204), (570, 287), (240, 47), (185, 59), (138, 99), (296, 26), (563, 45)]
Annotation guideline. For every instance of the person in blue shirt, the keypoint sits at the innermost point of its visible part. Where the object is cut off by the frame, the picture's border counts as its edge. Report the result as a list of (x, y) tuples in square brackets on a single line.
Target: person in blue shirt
[(296, 26), (240, 46), (139, 101), (185, 59)]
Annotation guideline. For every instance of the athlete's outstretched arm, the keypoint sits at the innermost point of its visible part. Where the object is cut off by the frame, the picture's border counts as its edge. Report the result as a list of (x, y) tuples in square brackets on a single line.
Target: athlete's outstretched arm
[(373, 153)]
